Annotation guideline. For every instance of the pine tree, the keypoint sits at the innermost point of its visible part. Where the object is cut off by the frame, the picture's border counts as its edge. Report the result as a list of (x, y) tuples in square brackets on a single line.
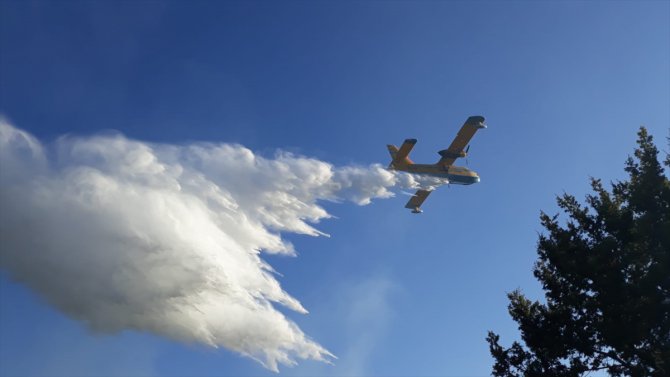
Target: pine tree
[(606, 277)]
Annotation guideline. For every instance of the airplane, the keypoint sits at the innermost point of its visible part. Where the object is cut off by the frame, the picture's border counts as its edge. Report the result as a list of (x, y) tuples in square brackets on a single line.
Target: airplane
[(444, 170)]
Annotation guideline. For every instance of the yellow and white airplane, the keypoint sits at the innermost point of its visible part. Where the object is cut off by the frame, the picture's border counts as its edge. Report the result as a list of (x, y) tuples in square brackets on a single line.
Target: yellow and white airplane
[(443, 170)]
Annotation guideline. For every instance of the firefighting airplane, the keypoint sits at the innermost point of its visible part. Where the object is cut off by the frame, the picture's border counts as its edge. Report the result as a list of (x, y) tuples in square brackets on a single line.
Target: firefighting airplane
[(443, 170)]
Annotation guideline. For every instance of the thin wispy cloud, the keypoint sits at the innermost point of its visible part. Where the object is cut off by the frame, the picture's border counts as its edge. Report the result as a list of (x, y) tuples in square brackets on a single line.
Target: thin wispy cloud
[(362, 309), (168, 239), (367, 317)]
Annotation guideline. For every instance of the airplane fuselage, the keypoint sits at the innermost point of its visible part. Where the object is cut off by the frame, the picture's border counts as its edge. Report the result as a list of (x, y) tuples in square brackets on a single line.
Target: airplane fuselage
[(457, 175), (430, 176)]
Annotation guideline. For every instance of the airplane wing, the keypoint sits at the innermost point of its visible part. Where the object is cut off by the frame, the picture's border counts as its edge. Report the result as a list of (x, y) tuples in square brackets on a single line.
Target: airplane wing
[(415, 202), (457, 147)]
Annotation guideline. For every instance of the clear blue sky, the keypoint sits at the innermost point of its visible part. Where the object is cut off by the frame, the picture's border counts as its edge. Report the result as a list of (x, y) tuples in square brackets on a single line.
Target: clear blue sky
[(563, 85)]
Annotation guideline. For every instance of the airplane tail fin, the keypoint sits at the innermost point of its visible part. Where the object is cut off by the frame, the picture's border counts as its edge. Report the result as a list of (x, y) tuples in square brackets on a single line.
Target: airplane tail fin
[(393, 150)]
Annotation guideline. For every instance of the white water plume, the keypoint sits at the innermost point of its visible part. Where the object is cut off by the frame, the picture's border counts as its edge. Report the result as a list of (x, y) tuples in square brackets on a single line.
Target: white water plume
[(122, 234)]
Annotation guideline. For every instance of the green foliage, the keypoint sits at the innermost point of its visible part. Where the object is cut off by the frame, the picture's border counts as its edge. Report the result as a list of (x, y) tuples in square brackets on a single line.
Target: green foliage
[(606, 277)]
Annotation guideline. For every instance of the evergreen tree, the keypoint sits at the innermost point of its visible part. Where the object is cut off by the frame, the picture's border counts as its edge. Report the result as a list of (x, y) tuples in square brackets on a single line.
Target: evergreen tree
[(606, 277)]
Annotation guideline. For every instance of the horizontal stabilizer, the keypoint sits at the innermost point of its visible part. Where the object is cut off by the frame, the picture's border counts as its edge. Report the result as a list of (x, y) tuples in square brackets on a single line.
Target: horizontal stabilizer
[(401, 157)]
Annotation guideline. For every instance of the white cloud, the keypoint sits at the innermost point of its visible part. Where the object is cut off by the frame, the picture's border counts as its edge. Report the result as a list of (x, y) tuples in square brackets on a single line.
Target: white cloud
[(167, 239)]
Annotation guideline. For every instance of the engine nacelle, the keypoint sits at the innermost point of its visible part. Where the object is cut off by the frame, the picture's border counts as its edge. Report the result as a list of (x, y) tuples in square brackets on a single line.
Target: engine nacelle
[(446, 154)]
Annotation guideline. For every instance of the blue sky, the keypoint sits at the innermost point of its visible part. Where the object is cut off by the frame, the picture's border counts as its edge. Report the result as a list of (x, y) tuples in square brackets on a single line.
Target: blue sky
[(563, 85)]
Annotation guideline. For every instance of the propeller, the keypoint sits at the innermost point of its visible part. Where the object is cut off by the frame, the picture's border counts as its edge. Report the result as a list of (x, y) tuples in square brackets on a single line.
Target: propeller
[(467, 149)]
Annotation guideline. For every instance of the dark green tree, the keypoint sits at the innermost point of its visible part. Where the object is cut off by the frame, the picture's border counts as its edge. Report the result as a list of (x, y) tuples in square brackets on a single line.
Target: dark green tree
[(606, 276)]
